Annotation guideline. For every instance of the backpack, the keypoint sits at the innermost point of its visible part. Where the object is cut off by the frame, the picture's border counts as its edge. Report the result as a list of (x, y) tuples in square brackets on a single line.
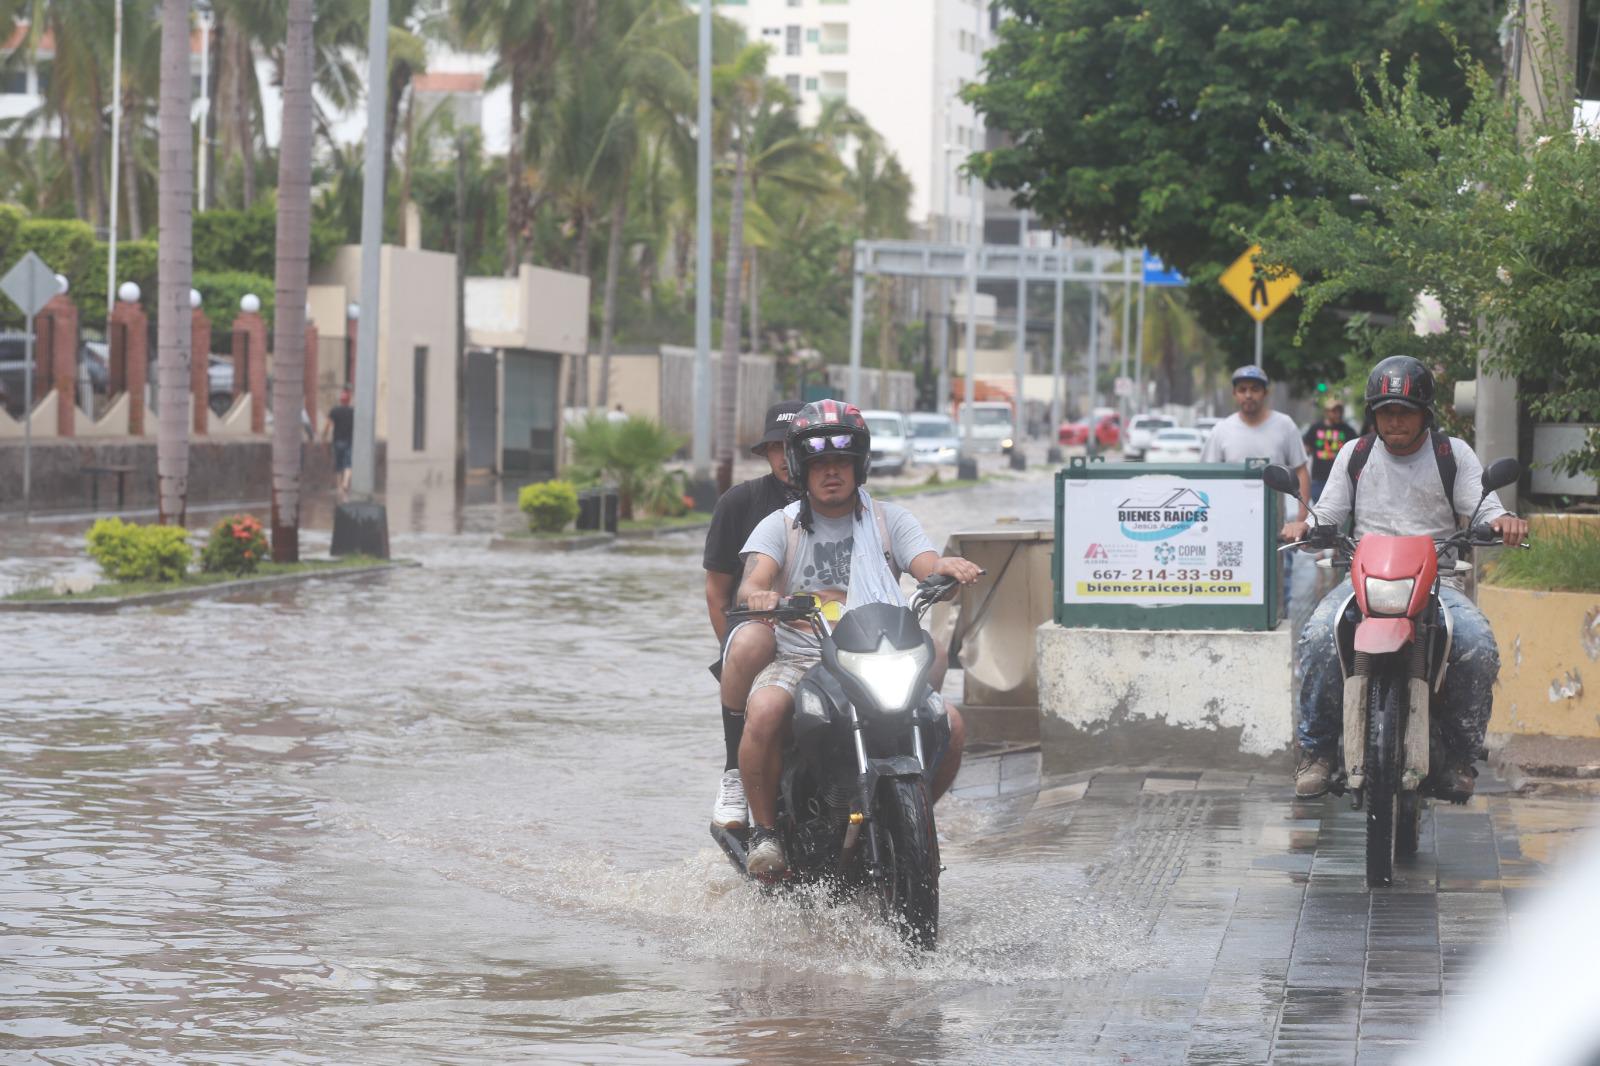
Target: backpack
[(1442, 455)]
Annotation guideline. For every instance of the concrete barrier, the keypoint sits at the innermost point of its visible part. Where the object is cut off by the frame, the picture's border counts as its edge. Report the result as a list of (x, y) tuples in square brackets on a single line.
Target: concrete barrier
[(1195, 698)]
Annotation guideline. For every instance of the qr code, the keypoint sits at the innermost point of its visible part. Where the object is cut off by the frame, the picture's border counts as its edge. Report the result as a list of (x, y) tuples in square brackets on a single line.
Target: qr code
[(1230, 553)]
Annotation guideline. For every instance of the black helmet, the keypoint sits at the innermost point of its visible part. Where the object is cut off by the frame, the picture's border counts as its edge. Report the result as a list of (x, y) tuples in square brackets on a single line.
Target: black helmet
[(827, 427), (1403, 380)]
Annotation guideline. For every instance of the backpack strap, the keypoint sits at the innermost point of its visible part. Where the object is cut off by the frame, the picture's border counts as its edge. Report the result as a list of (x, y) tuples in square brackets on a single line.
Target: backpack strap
[(883, 538), (1444, 458)]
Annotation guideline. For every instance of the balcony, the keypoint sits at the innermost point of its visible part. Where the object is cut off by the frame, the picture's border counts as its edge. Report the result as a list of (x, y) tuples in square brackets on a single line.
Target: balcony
[(833, 48)]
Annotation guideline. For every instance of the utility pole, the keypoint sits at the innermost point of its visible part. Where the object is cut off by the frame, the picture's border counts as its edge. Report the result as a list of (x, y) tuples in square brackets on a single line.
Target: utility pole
[(974, 244), (1021, 370), (116, 143), (205, 102), (703, 271), (1127, 314), (1138, 345), (461, 311)]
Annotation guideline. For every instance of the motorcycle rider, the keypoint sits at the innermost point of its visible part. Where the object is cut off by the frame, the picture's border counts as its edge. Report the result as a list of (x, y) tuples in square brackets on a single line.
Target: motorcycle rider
[(737, 514), (1395, 483), (840, 545)]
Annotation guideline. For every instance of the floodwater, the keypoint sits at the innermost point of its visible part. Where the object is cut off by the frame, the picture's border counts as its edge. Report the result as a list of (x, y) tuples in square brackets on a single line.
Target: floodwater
[(456, 813)]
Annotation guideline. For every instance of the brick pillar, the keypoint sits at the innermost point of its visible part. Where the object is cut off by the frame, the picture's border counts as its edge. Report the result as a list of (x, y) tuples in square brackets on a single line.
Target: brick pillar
[(311, 374), (130, 359), (199, 369), (250, 365), (59, 318)]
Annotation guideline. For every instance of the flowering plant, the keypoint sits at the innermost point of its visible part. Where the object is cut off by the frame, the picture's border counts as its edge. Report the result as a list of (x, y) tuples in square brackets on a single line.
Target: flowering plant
[(237, 545)]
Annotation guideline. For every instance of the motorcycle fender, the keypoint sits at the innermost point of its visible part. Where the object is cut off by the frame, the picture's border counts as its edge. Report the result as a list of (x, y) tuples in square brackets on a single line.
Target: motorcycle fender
[(877, 769), (1381, 636)]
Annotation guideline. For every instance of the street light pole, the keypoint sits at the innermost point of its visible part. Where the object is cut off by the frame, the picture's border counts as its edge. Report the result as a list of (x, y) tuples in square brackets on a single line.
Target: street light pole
[(364, 459), (974, 244), (702, 296), (205, 102)]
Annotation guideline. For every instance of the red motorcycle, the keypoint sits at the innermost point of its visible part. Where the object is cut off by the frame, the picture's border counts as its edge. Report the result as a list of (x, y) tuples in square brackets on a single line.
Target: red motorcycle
[(1394, 651)]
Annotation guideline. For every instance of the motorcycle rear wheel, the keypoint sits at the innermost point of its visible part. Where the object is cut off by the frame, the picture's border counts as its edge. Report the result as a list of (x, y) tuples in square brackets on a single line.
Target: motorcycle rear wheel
[(909, 848), (1385, 724)]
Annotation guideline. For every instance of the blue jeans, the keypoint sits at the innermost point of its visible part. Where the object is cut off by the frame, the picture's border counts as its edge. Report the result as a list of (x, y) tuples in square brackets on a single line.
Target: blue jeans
[(1462, 704)]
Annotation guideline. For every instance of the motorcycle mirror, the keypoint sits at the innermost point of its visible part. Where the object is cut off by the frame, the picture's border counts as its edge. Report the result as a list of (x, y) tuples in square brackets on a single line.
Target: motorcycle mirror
[(1280, 479), (1501, 472)]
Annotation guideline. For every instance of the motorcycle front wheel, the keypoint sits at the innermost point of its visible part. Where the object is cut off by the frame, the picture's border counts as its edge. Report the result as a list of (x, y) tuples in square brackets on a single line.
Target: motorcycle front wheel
[(1385, 725), (908, 895)]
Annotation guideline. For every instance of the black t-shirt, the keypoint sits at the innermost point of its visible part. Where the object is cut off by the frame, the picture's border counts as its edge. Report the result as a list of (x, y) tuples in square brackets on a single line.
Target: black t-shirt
[(1323, 443), (738, 513), (343, 418)]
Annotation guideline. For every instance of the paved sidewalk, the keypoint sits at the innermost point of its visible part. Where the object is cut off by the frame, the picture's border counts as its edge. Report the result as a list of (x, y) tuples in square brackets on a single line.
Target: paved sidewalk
[(1267, 945)]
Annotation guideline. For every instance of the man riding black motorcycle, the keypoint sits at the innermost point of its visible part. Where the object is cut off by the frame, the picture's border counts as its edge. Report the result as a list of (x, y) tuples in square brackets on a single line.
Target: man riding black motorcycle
[(1407, 479), (840, 545)]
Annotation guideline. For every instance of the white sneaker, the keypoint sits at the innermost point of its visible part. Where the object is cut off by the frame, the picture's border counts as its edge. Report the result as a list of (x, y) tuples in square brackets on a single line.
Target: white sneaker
[(766, 858), (730, 811)]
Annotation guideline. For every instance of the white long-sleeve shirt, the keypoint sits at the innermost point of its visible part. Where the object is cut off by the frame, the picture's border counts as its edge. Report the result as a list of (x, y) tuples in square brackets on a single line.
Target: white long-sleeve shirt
[(1402, 495)]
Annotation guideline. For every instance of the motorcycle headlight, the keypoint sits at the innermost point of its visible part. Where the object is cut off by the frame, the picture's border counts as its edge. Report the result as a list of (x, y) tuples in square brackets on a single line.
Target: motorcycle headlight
[(1389, 597), (887, 674)]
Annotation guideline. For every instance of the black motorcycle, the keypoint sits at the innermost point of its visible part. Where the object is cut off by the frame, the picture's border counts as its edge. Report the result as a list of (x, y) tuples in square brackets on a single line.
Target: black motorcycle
[(854, 809)]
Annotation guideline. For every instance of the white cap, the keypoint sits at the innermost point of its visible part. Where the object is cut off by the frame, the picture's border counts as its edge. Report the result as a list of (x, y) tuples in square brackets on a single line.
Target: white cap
[(128, 292), (249, 303)]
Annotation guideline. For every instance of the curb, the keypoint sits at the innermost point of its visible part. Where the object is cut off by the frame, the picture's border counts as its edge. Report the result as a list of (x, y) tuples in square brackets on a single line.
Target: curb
[(106, 604)]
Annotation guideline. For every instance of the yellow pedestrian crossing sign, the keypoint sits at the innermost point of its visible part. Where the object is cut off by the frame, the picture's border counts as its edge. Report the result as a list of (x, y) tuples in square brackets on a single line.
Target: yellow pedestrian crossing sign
[(1257, 292)]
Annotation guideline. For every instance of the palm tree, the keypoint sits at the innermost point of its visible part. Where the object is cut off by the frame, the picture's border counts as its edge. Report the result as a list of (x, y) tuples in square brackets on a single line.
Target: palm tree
[(294, 253), (176, 264)]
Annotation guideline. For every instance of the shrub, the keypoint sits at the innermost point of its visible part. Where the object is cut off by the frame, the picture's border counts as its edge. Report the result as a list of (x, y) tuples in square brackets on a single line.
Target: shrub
[(236, 546), (221, 291), (632, 454), (129, 552), (1562, 556), (549, 505)]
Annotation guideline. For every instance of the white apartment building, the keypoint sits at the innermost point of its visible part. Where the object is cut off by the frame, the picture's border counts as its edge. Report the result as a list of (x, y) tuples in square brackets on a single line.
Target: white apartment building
[(901, 63)]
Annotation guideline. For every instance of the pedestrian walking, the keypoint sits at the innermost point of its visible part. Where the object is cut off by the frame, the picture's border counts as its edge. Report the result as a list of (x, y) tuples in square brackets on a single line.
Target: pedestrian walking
[(341, 426), (1323, 441)]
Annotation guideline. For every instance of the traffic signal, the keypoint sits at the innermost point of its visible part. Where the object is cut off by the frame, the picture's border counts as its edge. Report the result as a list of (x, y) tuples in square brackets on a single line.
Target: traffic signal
[(1322, 386)]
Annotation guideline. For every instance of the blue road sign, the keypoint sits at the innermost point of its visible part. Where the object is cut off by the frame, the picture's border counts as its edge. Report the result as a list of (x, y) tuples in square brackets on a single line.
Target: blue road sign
[(1157, 274)]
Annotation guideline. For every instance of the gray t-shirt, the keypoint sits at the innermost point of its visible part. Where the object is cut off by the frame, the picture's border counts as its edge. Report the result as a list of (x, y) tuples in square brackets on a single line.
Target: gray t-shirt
[(1276, 439), (1402, 496), (825, 552)]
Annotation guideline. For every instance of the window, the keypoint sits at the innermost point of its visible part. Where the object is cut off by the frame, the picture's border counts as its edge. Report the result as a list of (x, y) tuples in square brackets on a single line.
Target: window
[(794, 3), (791, 40), (812, 36), (811, 85), (792, 83), (419, 399)]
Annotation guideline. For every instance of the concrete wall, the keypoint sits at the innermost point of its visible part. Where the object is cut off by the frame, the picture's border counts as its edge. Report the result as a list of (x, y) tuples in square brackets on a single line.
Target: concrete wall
[(220, 471), (539, 309), (757, 374), (635, 383), (1194, 698)]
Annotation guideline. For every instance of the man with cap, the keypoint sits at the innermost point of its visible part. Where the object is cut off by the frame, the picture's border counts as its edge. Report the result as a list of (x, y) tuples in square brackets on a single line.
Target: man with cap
[(737, 514), (1323, 441)]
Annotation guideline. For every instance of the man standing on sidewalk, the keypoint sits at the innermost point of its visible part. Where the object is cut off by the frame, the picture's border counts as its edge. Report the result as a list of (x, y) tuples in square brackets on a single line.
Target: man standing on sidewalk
[(1256, 431), (1323, 442)]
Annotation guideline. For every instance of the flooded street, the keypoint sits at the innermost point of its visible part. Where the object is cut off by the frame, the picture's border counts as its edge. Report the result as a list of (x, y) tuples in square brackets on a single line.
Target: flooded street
[(457, 813)]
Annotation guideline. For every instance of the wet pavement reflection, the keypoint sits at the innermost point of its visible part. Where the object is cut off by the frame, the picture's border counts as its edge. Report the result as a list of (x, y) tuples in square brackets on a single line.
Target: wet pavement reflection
[(457, 814)]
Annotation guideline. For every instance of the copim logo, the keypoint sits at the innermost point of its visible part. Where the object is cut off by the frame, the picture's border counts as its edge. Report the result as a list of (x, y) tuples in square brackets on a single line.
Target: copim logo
[(1162, 517)]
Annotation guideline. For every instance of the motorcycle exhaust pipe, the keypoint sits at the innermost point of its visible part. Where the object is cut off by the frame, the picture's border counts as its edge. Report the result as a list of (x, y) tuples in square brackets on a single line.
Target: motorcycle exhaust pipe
[(1355, 721)]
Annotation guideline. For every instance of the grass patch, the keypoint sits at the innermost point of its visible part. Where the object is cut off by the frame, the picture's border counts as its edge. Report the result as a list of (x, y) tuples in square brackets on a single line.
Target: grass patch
[(933, 484), (1563, 558), (123, 589), (693, 518)]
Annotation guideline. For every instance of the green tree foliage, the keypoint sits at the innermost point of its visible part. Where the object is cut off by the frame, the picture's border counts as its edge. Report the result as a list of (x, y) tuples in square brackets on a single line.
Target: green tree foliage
[(130, 552), (1139, 122), (1502, 232), (221, 291), (244, 240)]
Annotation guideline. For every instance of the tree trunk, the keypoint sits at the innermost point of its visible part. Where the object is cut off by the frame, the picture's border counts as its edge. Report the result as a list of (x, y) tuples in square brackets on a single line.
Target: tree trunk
[(244, 69), (294, 253), (97, 178), (130, 185), (608, 306), (728, 384), (175, 266), (755, 299), (74, 164), (515, 216)]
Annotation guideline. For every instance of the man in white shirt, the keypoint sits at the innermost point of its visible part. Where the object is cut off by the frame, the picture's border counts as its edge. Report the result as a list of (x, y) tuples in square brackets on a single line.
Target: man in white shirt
[(1399, 489)]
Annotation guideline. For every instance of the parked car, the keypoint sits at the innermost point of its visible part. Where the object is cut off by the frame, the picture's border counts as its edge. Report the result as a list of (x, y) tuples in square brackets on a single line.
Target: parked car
[(1073, 434), (991, 425), (91, 361), (934, 438), (1107, 432), (1205, 424), (1175, 446), (891, 441), (1141, 431)]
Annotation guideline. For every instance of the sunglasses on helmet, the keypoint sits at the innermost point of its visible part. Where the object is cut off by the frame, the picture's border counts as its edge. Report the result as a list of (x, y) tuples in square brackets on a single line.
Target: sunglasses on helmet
[(831, 442)]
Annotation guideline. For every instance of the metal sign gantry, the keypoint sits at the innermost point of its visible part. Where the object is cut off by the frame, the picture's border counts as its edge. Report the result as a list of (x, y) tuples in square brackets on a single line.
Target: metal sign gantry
[(1018, 264)]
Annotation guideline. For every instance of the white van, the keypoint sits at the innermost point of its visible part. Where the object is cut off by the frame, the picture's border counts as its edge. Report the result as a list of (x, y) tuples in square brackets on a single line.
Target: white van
[(991, 425)]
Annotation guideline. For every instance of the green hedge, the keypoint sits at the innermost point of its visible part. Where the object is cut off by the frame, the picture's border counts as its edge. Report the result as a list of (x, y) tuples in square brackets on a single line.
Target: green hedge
[(221, 291), (226, 241)]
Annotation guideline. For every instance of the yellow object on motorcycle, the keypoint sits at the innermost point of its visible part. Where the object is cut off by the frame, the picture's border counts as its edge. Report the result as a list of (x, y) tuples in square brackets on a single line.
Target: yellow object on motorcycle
[(832, 610)]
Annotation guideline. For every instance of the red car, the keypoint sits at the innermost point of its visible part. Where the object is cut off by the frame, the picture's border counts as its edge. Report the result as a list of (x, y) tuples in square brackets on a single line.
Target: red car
[(1108, 432)]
